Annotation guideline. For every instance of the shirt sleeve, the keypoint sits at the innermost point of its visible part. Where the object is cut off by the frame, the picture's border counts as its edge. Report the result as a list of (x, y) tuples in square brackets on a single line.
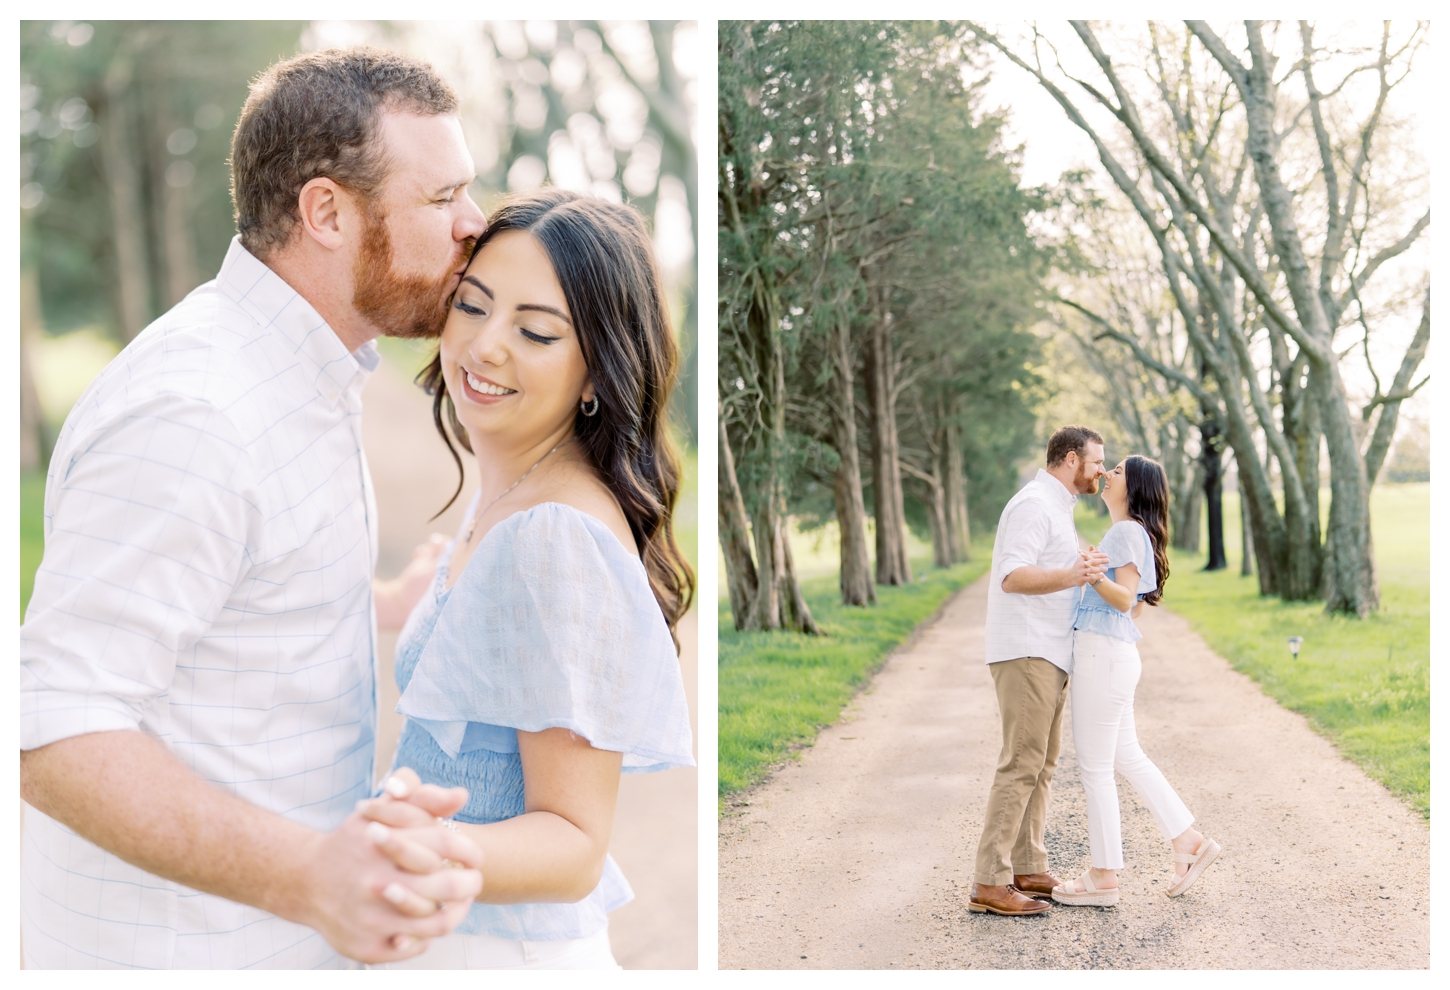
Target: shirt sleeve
[(551, 625), (147, 524), (1128, 543), (1148, 569), (1027, 529)]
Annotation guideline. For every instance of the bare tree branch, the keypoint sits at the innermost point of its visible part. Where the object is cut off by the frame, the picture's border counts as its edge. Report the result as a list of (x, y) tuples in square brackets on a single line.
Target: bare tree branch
[(1400, 390)]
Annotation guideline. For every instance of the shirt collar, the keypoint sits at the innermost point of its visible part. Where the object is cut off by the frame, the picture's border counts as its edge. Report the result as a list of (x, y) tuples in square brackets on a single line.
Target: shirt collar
[(279, 309), (1057, 488)]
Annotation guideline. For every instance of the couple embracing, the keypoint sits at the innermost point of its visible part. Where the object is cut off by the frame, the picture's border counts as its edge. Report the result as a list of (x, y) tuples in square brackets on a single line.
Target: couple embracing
[(1060, 621), (198, 689)]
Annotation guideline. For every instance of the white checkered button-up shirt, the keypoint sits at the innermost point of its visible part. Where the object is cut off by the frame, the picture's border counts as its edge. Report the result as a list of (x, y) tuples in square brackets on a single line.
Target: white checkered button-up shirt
[(1036, 530), (210, 545)]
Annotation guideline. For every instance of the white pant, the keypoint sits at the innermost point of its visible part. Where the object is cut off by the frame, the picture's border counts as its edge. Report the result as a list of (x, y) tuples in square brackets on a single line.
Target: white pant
[(492, 952), (1105, 673)]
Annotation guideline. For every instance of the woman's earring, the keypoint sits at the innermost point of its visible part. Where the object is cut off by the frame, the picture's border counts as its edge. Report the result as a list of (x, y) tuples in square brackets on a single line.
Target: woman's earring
[(588, 410)]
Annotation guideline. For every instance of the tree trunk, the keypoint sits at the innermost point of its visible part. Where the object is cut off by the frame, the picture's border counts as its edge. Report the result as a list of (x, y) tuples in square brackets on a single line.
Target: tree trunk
[(179, 249), (1351, 585), (778, 600), (936, 511), (1258, 520), (779, 603), (119, 155), (170, 202), (1272, 537), (857, 587), (740, 573), (892, 567), (1212, 460), (958, 528), (35, 439), (1246, 530), (1186, 506), (1301, 578), (941, 547)]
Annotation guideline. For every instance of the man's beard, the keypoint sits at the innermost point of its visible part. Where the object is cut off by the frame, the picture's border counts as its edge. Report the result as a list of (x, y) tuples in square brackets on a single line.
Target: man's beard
[(1084, 484), (399, 305)]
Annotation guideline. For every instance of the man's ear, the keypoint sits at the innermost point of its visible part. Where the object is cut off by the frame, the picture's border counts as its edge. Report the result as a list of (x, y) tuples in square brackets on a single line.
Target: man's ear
[(324, 207)]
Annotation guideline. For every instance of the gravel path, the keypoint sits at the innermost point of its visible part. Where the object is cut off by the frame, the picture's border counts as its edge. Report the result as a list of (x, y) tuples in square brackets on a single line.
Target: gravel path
[(860, 855), (655, 838)]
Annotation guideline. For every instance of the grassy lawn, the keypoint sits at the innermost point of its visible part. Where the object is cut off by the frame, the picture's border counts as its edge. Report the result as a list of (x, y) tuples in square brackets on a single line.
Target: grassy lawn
[(778, 689), (687, 509), (32, 531), (1365, 684)]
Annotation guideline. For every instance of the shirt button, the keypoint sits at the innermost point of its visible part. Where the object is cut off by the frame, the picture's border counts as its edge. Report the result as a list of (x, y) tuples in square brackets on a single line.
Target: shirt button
[(333, 395)]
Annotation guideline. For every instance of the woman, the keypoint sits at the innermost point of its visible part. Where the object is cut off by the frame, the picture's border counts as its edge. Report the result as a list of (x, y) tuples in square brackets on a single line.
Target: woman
[(1105, 672), (541, 662)]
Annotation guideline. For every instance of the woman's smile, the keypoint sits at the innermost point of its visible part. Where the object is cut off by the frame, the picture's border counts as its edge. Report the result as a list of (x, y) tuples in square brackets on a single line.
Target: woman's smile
[(480, 389)]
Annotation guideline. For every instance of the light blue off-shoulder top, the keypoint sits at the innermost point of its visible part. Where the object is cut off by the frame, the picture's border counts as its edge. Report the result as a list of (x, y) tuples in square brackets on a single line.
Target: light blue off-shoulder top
[(1126, 542), (552, 624)]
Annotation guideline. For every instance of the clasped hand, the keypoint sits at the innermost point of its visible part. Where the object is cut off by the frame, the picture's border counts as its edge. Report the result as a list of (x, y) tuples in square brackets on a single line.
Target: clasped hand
[(419, 877), (1091, 565)]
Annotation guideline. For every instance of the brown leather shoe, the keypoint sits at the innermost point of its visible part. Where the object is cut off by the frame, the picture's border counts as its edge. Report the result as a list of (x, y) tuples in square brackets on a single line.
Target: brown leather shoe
[(1004, 899), (1037, 885)]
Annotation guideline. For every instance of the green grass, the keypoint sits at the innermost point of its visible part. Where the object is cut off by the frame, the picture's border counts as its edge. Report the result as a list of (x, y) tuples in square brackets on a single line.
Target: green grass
[(1364, 684), (32, 532), (687, 509), (778, 689)]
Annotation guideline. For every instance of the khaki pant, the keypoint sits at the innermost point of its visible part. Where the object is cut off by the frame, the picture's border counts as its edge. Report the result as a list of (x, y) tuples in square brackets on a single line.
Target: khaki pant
[(1031, 693)]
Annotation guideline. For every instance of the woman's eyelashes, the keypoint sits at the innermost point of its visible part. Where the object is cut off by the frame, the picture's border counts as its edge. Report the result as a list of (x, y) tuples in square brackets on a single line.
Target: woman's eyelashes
[(478, 311)]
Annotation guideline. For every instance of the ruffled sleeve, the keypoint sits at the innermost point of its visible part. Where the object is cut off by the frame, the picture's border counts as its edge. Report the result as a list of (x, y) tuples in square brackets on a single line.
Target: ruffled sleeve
[(552, 624), (1128, 542)]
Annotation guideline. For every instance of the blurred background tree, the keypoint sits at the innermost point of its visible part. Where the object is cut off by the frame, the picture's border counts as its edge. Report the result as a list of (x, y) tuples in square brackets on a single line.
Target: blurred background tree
[(126, 128), (124, 134)]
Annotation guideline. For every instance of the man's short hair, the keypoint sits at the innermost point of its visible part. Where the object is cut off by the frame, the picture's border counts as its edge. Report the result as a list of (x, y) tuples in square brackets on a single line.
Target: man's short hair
[(1070, 440), (317, 115)]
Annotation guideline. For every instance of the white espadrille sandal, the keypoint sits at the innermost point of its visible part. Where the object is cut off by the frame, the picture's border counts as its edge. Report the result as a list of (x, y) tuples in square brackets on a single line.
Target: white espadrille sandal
[(1067, 893), (1208, 851)]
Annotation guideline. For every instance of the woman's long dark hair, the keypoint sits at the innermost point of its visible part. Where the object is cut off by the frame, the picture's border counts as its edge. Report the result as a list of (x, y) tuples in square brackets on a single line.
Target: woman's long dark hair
[(1148, 504), (605, 264)]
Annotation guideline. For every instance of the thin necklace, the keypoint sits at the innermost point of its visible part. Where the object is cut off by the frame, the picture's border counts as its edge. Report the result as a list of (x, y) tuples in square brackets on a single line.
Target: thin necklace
[(479, 514)]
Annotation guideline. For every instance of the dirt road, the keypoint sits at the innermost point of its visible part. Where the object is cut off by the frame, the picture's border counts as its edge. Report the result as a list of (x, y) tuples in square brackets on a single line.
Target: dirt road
[(655, 837), (860, 855)]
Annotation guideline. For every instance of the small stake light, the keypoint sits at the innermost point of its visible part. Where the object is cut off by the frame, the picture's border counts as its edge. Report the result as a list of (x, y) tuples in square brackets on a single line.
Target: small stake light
[(1294, 643)]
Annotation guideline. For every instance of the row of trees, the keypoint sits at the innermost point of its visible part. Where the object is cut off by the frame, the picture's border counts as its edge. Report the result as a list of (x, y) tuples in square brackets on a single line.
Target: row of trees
[(876, 281), (1271, 197)]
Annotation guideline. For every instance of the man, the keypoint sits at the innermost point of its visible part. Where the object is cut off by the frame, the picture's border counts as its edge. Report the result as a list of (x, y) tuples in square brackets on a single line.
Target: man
[(1037, 569), (198, 688)]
